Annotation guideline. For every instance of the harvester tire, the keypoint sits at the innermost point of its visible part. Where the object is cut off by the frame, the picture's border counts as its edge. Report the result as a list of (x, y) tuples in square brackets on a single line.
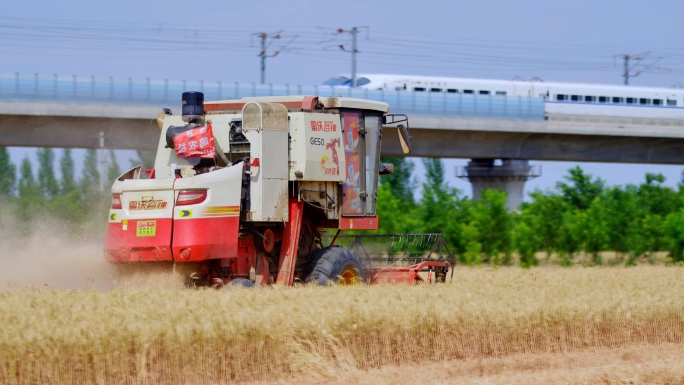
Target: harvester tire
[(335, 265), (240, 282)]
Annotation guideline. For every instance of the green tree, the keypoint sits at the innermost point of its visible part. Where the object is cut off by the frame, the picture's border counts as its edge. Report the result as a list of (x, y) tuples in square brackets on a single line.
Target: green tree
[(394, 215), (494, 224), (472, 251), (623, 215), (524, 241), (581, 190), (437, 197), (656, 198), (144, 158), (594, 234), (90, 178), (8, 173), (400, 183), (652, 236), (96, 202), (46, 173), (544, 215), (571, 236), (31, 198), (66, 168), (113, 170), (674, 225), (439, 209)]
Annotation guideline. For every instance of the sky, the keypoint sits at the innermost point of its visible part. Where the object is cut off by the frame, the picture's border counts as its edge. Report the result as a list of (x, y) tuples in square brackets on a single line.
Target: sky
[(568, 41)]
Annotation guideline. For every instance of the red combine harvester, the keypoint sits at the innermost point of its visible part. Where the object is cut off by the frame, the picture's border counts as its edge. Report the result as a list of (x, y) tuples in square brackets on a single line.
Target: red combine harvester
[(243, 190)]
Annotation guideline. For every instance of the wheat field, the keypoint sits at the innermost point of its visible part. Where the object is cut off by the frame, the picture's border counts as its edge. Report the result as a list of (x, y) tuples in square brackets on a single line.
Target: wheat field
[(172, 336)]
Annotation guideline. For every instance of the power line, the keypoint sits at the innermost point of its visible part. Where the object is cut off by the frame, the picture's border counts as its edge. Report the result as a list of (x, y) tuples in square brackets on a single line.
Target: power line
[(638, 67), (46, 37)]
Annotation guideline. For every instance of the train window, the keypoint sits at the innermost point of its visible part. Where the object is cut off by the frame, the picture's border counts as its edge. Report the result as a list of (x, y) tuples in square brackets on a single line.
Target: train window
[(452, 90), (419, 89), (575, 98), (468, 91), (630, 100), (482, 92), (657, 102), (618, 99), (561, 97), (435, 90), (644, 101), (590, 98), (603, 99), (501, 93), (671, 103)]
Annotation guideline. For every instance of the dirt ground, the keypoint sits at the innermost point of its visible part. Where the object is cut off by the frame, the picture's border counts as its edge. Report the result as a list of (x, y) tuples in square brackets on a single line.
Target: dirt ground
[(650, 364)]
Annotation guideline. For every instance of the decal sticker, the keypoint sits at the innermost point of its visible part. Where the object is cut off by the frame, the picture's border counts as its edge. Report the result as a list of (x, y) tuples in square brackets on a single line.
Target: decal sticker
[(146, 229), (221, 211), (186, 213), (147, 203), (124, 225), (331, 166), (112, 217), (351, 200), (321, 126)]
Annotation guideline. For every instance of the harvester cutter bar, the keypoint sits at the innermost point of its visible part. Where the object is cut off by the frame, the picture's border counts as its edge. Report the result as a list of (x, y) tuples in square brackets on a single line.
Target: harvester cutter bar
[(400, 253)]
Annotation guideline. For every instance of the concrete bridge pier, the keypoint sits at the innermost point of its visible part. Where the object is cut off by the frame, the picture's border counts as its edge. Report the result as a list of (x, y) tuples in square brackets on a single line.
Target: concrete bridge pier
[(509, 176)]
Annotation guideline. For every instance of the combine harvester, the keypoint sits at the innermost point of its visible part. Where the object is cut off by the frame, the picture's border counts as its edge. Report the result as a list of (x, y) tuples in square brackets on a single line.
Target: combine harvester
[(242, 192)]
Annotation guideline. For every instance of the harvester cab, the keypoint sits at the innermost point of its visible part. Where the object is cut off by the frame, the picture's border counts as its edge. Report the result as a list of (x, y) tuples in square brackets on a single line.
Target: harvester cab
[(243, 190)]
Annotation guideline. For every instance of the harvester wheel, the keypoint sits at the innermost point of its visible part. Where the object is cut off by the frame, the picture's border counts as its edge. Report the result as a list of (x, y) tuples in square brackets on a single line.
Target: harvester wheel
[(240, 282), (335, 265)]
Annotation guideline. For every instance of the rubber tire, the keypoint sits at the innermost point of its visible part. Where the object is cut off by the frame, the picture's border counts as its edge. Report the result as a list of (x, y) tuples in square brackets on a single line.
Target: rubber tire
[(240, 282), (329, 262)]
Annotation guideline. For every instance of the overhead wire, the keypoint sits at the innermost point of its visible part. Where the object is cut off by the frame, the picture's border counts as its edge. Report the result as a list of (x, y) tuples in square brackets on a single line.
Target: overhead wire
[(436, 53)]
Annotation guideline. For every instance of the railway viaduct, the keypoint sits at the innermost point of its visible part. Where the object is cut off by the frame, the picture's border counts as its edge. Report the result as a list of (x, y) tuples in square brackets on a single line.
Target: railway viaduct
[(50, 113)]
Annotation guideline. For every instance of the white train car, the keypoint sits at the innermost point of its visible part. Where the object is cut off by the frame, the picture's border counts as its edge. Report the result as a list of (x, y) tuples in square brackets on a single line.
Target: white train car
[(560, 98)]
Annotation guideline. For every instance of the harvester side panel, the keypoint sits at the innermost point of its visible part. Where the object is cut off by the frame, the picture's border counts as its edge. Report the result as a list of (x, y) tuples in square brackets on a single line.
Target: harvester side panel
[(141, 229), (209, 230), (316, 147), (265, 127)]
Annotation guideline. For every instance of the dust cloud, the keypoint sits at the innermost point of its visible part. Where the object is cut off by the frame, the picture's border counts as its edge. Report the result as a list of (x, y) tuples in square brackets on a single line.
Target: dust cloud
[(48, 253)]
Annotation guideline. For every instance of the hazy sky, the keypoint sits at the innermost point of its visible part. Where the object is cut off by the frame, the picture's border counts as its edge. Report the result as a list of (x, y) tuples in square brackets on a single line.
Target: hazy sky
[(574, 41)]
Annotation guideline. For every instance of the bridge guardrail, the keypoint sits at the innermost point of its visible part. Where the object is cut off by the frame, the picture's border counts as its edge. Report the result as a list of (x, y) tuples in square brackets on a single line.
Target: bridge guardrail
[(73, 89)]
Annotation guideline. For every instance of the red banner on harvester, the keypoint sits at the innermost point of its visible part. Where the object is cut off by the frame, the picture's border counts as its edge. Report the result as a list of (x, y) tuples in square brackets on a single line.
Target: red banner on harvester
[(195, 143)]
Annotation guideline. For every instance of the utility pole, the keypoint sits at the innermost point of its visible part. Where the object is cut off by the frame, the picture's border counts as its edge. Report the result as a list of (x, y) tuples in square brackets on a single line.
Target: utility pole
[(354, 50), (631, 70), (263, 36), (103, 160), (354, 32), (626, 74), (264, 46)]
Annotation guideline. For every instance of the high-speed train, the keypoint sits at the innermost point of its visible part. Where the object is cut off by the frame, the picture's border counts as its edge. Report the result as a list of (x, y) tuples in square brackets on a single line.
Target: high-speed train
[(560, 98)]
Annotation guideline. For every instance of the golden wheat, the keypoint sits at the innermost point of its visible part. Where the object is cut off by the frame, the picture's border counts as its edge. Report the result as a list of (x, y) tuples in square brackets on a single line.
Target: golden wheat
[(205, 336)]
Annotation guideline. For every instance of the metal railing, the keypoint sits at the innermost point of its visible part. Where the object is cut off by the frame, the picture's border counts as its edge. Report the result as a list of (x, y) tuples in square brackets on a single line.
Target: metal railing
[(613, 120), (129, 91)]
